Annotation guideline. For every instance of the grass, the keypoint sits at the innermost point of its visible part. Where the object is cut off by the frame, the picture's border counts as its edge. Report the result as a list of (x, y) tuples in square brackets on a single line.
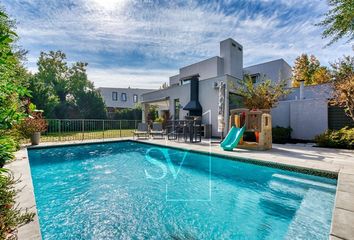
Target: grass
[(71, 136)]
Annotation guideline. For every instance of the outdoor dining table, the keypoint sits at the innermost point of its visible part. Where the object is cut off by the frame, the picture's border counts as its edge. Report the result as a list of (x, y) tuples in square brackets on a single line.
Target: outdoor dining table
[(190, 129)]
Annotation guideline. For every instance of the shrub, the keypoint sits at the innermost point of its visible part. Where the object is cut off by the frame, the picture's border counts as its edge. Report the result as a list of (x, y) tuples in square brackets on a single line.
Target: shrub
[(128, 114), (7, 147), (11, 217), (281, 134), (343, 138)]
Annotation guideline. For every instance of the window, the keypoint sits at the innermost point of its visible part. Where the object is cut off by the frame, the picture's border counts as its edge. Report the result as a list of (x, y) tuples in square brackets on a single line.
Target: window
[(254, 78), (114, 96), (135, 98), (123, 97), (177, 106)]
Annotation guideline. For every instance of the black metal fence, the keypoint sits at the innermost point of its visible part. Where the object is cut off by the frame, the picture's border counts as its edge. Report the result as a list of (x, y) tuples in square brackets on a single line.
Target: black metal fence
[(83, 129)]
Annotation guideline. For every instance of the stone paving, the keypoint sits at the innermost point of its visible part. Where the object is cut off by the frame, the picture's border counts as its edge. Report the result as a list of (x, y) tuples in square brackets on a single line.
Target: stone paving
[(330, 161)]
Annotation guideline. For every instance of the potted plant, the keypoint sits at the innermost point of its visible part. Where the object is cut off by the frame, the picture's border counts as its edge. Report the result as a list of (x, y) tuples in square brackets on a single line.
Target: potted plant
[(32, 126)]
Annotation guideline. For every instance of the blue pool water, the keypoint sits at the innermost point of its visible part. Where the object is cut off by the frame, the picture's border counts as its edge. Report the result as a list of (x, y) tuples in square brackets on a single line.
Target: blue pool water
[(129, 190)]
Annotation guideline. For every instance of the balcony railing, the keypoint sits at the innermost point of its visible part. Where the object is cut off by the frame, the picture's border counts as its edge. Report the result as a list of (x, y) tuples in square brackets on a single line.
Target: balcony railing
[(83, 129)]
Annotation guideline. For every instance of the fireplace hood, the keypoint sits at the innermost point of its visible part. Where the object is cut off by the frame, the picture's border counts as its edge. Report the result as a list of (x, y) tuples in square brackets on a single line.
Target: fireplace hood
[(193, 106)]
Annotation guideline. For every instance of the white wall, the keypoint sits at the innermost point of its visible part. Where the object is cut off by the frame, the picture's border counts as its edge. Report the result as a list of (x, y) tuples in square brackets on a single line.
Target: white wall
[(208, 68), (106, 94), (307, 118), (281, 114), (311, 92), (275, 70), (230, 63)]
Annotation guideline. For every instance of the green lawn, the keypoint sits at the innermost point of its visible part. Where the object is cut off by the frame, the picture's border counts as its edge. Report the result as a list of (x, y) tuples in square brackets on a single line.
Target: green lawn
[(70, 136)]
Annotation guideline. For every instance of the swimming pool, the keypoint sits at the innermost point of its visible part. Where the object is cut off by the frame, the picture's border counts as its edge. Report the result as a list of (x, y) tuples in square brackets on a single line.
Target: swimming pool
[(130, 190)]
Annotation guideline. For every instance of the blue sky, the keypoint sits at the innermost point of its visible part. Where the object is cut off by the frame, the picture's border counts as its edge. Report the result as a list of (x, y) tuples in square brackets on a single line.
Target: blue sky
[(142, 43)]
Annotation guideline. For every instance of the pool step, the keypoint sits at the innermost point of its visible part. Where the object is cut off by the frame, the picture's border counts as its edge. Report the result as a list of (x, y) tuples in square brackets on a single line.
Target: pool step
[(312, 217), (286, 188), (304, 182)]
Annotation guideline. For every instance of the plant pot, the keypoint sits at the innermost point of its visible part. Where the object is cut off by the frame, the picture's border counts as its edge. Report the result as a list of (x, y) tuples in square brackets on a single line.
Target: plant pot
[(35, 138)]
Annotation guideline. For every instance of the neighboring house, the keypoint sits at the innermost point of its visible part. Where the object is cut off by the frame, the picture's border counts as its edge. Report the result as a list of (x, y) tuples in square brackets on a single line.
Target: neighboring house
[(120, 98), (178, 101)]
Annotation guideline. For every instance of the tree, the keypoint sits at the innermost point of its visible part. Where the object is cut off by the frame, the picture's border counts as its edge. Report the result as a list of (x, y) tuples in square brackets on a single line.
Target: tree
[(63, 91), (343, 84), (263, 95), (91, 105), (54, 73), (309, 69), (43, 95), (339, 20)]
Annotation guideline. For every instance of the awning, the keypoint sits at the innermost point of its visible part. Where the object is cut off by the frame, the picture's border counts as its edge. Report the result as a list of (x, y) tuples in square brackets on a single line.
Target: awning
[(162, 103)]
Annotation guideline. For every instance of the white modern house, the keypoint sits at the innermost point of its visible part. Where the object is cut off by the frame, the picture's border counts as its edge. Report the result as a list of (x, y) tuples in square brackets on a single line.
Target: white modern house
[(307, 115), (120, 98), (176, 100)]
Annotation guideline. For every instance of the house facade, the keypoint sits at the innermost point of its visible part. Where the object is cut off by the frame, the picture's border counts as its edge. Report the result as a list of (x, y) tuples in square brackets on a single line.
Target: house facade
[(120, 98), (174, 101), (306, 109)]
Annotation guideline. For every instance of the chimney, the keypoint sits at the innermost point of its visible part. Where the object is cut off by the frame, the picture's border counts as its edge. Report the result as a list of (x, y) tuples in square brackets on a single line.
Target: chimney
[(302, 86), (232, 54)]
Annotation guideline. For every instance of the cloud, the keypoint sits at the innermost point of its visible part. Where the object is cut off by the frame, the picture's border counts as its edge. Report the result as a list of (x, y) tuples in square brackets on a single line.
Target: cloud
[(129, 77), (160, 37)]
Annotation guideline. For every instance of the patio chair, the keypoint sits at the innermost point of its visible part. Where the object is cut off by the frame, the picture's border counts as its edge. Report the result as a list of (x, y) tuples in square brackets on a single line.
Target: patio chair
[(142, 130), (157, 130)]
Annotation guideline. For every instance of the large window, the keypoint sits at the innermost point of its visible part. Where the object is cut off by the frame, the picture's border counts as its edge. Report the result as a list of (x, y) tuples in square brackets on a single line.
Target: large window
[(135, 98), (114, 96), (123, 97), (177, 107)]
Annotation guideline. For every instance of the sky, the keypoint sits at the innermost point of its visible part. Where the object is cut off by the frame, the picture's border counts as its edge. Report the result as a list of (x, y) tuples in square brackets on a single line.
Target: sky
[(141, 43)]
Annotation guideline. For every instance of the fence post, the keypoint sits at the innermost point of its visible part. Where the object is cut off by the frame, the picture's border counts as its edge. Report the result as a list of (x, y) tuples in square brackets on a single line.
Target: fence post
[(82, 129), (103, 128), (59, 124), (120, 128)]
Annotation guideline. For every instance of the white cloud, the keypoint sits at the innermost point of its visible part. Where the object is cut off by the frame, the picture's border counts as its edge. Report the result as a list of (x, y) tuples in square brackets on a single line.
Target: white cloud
[(129, 77), (173, 33)]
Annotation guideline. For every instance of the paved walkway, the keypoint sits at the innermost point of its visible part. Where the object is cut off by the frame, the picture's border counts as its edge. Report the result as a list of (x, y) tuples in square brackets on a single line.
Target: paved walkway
[(331, 161)]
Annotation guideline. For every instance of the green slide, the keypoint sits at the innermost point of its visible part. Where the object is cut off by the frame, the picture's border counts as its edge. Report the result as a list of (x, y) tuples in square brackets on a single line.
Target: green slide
[(232, 138)]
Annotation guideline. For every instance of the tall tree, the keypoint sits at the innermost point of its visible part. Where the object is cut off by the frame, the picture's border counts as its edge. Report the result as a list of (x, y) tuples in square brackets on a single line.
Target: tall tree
[(339, 20), (54, 72), (343, 84), (309, 69), (63, 91)]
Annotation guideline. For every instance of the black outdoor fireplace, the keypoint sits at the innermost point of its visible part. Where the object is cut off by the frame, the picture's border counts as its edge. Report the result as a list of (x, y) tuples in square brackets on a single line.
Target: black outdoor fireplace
[(193, 106)]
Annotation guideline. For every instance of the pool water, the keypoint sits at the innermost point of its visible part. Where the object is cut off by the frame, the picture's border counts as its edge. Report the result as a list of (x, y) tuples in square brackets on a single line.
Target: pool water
[(130, 190)]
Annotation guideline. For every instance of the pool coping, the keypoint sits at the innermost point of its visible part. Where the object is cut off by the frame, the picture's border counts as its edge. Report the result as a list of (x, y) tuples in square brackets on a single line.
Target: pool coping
[(343, 210)]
